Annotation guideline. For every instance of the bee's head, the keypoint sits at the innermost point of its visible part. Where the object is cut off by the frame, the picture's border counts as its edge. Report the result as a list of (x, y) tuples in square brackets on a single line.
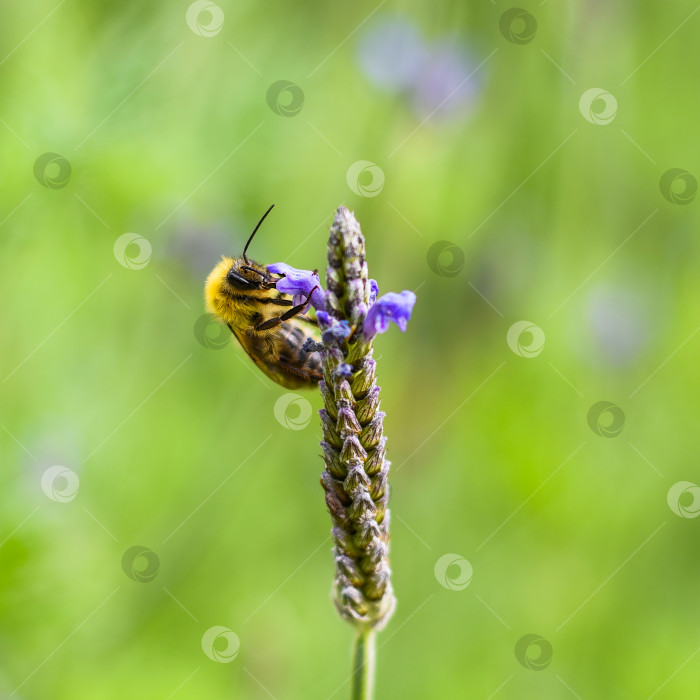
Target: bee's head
[(244, 274), (231, 276)]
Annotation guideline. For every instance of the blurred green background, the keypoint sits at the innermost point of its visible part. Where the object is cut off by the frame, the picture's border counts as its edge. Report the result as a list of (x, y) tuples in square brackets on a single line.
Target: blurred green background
[(490, 192)]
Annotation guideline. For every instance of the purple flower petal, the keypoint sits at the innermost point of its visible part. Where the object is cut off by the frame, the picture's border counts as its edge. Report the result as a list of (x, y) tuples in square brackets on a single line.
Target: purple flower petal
[(325, 320), (390, 307), (298, 283), (337, 334), (373, 291), (343, 370)]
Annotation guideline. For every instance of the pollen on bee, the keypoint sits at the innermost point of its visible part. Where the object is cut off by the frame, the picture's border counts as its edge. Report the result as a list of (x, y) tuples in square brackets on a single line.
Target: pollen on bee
[(213, 295)]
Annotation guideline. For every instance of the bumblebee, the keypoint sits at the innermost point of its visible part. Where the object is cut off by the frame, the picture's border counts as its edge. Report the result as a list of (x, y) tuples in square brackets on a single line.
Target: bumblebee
[(241, 293)]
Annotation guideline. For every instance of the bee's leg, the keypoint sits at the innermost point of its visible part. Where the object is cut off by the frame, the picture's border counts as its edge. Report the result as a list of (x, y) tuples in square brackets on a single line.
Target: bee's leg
[(299, 308)]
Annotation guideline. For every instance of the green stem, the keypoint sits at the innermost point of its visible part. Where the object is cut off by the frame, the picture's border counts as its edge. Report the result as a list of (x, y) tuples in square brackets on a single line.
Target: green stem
[(363, 665)]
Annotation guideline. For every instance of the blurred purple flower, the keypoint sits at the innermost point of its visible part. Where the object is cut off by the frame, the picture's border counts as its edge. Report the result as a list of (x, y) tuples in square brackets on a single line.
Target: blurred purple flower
[(395, 57), (390, 307), (391, 53), (619, 323), (299, 284), (197, 246), (444, 88)]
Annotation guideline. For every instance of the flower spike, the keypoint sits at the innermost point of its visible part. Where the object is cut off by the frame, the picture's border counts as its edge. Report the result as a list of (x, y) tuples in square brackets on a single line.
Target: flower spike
[(355, 479)]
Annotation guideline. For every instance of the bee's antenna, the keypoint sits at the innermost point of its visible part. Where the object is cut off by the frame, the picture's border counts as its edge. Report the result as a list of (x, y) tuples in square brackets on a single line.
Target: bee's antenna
[(255, 231)]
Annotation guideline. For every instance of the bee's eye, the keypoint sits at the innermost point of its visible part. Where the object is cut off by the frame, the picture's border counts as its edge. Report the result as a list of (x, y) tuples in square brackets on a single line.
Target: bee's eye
[(239, 282)]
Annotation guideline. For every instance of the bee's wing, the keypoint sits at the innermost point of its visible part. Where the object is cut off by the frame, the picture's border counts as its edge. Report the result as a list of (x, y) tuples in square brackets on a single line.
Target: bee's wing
[(297, 362), (279, 355)]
